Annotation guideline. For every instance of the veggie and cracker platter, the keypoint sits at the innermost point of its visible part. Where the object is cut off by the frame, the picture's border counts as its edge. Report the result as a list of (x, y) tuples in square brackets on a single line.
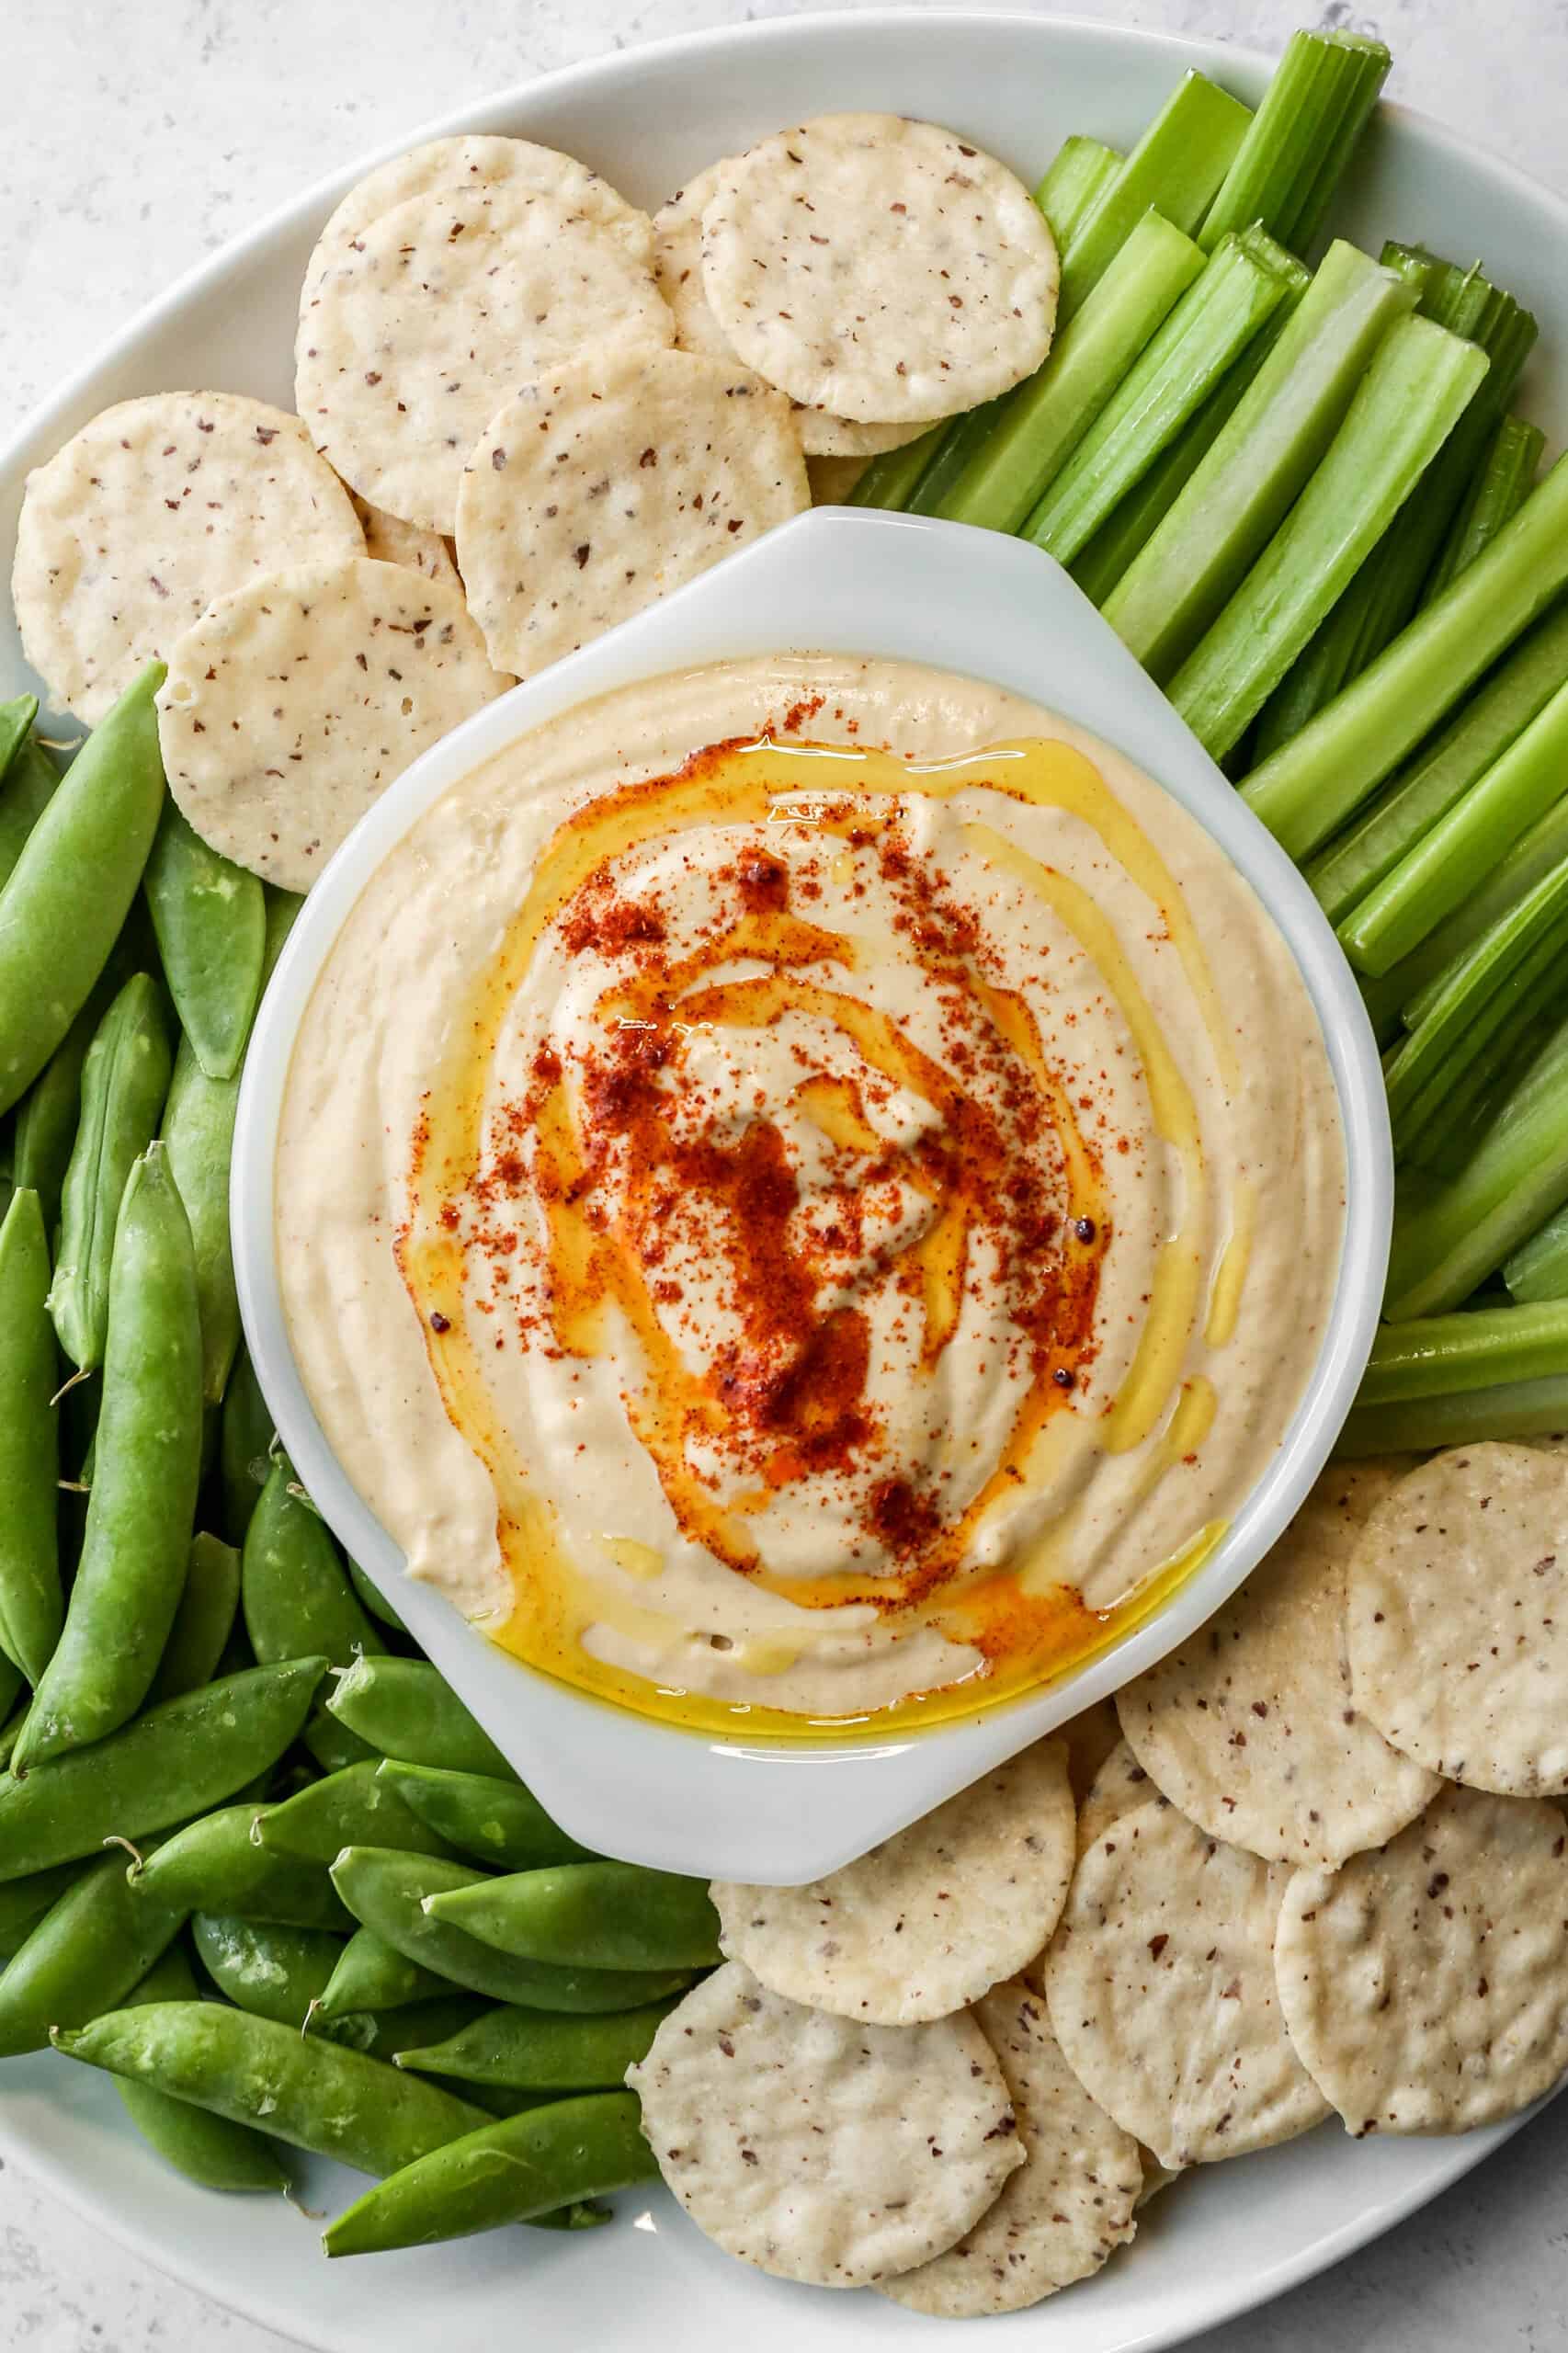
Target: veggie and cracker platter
[(258, 1861)]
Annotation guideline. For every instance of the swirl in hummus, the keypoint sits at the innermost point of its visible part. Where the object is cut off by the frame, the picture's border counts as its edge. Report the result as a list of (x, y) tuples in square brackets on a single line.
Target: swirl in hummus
[(809, 1188)]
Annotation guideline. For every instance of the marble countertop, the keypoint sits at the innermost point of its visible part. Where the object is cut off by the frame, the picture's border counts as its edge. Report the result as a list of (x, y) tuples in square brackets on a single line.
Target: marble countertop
[(140, 134)]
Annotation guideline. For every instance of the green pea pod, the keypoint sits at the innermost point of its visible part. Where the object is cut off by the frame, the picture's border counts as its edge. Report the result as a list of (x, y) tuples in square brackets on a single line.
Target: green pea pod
[(353, 1808), (387, 1893), (529, 2050), (406, 1709), (198, 1136), (172, 1763), (69, 891), (32, 1605), (27, 789), (24, 1902), (372, 1597), (49, 1112), (509, 2172), (373, 1975), (204, 1621), (84, 1956), (295, 1594), (313, 2094), (143, 1506), (124, 1080), (590, 1915), (273, 1971), (210, 918), (499, 1822), (215, 1865), (207, 2149), (332, 1745), (10, 1731), (244, 1446), (383, 2034), (16, 724)]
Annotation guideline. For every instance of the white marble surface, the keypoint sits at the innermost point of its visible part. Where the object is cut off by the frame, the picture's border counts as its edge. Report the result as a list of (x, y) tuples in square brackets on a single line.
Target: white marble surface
[(136, 135)]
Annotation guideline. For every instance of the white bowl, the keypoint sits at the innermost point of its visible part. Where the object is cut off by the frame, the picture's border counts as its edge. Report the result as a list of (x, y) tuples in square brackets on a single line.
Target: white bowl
[(839, 581)]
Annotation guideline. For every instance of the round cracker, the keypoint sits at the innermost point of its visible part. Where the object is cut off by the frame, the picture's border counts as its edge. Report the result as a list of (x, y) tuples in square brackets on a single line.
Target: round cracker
[(1121, 1786), (1249, 1726), (1458, 1622), (1425, 1984), (818, 2148), (1069, 2206), (677, 266), (391, 541), (471, 162), (880, 268), (610, 482), (156, 506), (413, 333), (931, 1919), (293, 703), (1161, 1989), (1091, 1736)]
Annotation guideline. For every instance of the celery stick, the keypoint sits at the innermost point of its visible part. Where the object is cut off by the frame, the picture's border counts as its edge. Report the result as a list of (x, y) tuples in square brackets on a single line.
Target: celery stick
[(1539, 1268), (1518, 1409), (1437, 875), (1531, 911), (963, 440), (1435, 1355), (1305, 793), (1419, 381), (1240, 493), (1470, 1095), (1079, 176), (1044, 420), (1300, 139), (1177, 167), (1428, 1079), (1501, 484), (1413, 802), (1245, 282), (890, 481)]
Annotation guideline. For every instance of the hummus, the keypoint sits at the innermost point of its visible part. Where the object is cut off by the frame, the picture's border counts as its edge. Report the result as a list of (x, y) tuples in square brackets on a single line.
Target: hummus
[(807, 1188)]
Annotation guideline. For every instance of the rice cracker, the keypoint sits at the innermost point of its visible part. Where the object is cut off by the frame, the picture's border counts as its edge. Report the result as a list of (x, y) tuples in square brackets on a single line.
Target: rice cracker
[(391, 541)]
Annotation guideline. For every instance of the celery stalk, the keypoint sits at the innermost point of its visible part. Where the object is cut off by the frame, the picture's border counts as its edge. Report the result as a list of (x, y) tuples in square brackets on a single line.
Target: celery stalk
[(963, 440), (1442, 772), (891, 480), (1416, 388), (1439, 872), (1176, 167), (1300, 139), (1082, 170), (1223, 309), (1305, 793), (1432, 1072), (1044, 420), (1539, 1268), (1517, 1409), (1502, 482), (1435, 1355), (1240, 493), (1465, 1099)]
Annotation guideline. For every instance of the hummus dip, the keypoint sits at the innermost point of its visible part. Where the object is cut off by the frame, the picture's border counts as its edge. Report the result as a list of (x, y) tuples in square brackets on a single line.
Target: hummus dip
[(807, 1188)]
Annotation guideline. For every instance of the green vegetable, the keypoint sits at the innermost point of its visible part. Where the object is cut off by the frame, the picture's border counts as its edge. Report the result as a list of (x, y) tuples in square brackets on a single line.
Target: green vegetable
[(1080, 174), (124, 1080), (1260, 461), (1177, 167), (1300, 139), (404, 1709), (142, 1504), (206, 2149), (295, 1594), (203, 1620), (372, 1597), (16, 717), (172, 1763), (271, 1970), (891, 480), (499, 1822), (66, 897), (1520, 1409), (600, 1915), (1418, 384), (25, 792), (244, 1446), (1539, 1268), (1437, 1354), (356, 1807), (84, 1955), (532, 2051), (32, 1606), (370, 1975), (198, 1136), (210, 919), (1501, 484), (24, 1902), (511, 2172), (216, 1865)]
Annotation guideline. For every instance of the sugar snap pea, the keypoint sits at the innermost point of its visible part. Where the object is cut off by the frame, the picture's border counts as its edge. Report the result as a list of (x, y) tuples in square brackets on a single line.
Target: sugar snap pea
[(372, 1597), (271, 1970), (210, 918), (387, 1893), (383, 2034), (530, 2050), (67, 895), (32, 1605), (356, 1807), (373, 1975), (48, 1113), (293, 1589), (509, 2172), (10, 1731), (313, 2094), (24, 1902), (124, 1080), (495, 1822), (25, 793), (198, 1136), (172, 1763), (215, 1865), (204, 1619), (244, 1446), (589, 1915), (16, 717), (83, 1956), (404, 1707), (142, 1504), (206, 2149)]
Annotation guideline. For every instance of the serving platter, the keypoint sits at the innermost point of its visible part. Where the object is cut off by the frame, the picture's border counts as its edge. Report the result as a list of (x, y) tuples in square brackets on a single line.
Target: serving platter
[(1235, 2236)]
